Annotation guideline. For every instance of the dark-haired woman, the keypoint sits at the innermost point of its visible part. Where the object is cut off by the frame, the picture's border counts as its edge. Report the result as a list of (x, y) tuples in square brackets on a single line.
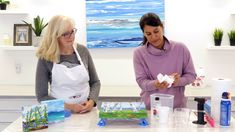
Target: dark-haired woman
[(156, 55)]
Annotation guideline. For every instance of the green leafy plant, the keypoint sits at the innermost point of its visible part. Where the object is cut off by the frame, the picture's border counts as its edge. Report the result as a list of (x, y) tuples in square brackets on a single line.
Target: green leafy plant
[(4, 2), (231, 35), (38, 25), (218, 34)]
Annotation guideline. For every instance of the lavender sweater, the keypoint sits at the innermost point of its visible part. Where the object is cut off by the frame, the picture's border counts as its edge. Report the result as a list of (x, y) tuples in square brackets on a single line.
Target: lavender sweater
[(150, 61)]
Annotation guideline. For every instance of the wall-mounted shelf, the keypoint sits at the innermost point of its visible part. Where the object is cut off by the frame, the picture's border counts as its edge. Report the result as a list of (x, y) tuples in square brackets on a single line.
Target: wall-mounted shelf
[(18, 48), (212, 47), (13, 12)]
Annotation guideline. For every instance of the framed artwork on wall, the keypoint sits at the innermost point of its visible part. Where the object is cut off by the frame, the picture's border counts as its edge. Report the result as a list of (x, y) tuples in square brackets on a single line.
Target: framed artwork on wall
[(115, 23), (22, 35)]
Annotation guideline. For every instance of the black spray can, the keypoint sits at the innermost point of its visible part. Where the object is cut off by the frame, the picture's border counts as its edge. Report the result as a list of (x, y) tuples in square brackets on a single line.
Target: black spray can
[(225, 109)]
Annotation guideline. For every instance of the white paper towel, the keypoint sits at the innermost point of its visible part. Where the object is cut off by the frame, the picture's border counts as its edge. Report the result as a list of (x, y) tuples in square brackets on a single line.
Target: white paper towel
[(219, 86)]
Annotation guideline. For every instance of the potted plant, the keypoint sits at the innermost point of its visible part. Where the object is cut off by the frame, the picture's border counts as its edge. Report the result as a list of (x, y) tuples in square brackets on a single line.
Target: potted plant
[(218, 34), (231, 36), (3, 4), (38, 26)]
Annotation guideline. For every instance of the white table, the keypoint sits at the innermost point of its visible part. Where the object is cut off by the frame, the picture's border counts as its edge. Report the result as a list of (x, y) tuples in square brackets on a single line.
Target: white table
[(88, 123)]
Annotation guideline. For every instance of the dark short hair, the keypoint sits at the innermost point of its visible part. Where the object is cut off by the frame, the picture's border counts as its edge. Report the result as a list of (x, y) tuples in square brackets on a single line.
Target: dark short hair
[(150, 19)]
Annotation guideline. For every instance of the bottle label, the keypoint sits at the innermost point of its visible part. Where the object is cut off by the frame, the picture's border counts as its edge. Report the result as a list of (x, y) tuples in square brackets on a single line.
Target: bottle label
[(225, 113), (155, 110)]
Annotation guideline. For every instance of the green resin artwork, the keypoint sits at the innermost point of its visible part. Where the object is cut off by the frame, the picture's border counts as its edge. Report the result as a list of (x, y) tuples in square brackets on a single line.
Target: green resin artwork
[(34, 117), (122, 110)]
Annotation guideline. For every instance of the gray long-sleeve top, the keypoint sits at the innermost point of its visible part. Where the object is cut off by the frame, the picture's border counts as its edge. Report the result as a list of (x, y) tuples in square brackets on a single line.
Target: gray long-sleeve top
[(44, 71)]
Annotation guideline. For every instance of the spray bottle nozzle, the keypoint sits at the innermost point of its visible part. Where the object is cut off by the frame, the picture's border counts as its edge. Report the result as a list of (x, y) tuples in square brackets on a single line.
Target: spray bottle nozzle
[(200, 100)]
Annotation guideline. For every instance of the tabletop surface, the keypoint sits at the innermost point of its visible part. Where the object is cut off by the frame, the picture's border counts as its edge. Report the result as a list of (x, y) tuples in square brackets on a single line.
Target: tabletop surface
[(88, 122)]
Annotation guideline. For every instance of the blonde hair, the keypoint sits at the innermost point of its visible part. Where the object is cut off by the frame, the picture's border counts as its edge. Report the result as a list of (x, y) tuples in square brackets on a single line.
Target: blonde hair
[(49, 48)]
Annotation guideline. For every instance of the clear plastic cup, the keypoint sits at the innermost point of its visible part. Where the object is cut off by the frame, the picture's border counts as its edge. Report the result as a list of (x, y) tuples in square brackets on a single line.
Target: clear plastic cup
[(157, 99), (164, 113), (181, 116)]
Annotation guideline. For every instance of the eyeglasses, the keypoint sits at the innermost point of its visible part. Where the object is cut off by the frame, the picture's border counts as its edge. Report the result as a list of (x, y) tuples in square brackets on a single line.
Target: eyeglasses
[(68, 34)]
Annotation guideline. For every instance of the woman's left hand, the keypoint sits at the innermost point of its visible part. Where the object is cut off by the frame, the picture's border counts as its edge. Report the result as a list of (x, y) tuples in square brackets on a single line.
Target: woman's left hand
[(88, 105), (176, 77)]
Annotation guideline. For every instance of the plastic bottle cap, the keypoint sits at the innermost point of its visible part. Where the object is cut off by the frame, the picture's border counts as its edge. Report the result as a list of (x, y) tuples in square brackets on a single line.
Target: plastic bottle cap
[(156, 98), (225, 95)]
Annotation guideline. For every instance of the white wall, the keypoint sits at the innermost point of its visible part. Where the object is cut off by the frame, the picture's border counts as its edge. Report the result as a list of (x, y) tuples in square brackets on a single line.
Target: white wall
[(192, 22), (188, 21)]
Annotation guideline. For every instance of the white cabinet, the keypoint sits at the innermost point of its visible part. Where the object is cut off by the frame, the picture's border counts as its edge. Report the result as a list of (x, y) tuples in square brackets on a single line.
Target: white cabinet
[(15, 103), (10, 108)]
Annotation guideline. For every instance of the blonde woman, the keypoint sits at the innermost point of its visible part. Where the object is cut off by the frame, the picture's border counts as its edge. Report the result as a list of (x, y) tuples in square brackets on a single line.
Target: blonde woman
[(66, 68)]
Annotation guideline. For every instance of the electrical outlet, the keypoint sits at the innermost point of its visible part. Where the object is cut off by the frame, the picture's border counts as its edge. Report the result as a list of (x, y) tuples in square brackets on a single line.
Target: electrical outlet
[(18, 68)]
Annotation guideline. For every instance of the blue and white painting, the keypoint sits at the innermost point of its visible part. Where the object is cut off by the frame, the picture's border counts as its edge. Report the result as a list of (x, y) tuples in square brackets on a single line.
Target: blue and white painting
[(55, 110), (115, 23)]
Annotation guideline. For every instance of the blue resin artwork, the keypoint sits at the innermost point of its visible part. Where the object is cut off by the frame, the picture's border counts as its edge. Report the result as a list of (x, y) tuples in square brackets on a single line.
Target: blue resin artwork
[(55, 110), (115, 23), (34, 117)]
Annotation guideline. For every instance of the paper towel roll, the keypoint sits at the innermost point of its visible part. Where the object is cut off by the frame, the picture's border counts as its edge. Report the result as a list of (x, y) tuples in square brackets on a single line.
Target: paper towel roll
[(219, 86)]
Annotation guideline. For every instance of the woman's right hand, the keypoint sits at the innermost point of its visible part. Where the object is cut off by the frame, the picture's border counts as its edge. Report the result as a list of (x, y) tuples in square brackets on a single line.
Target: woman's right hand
[(163, 85), (75, 108)]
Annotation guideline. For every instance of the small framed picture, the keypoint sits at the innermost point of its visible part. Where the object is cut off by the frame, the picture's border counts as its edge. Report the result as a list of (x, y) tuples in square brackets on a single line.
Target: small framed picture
[(22, 35)]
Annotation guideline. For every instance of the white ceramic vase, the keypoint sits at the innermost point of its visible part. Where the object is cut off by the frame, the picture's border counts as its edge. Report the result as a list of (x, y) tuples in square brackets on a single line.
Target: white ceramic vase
[(36, 41)]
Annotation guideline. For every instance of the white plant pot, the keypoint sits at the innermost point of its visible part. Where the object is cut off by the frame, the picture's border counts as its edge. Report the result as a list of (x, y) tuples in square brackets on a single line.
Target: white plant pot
[(36, 41)]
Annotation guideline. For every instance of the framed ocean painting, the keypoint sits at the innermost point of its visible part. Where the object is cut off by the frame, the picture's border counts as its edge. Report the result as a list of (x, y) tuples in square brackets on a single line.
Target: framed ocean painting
[(115, 23)]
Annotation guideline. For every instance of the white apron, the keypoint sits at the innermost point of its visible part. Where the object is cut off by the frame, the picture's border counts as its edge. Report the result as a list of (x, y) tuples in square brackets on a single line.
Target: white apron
[(70, 84)]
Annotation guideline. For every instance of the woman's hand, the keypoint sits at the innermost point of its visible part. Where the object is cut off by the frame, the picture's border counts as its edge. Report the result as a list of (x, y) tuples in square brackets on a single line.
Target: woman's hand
[(176, 77), (162, 85), (165, 85), (87, 106), (75, 108), (78, 108)]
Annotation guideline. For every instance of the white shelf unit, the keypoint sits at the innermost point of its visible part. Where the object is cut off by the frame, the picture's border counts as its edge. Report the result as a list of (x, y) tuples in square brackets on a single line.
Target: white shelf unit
[(18, 48), (13, 12), (221, 48)]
